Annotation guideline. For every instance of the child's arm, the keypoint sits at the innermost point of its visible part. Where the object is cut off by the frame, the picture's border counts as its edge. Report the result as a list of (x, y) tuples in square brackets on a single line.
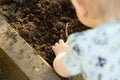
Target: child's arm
[(60, 67), (60, 50), (66, 62)]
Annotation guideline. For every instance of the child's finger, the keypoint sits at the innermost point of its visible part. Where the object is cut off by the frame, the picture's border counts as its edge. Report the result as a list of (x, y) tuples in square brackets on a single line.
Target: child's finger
[(61, 41), (67, 42), (53, 47), (56, 44)]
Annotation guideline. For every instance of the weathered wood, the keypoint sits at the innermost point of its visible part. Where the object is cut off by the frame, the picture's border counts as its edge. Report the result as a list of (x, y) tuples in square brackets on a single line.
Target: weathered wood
[(17, 53), (15, 72)]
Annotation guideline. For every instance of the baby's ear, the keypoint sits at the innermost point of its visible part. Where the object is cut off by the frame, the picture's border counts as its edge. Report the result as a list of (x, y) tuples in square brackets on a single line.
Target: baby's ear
[(80, 7)]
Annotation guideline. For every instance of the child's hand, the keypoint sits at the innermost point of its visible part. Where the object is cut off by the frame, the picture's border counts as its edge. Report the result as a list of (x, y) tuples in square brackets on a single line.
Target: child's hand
[(60, 47)]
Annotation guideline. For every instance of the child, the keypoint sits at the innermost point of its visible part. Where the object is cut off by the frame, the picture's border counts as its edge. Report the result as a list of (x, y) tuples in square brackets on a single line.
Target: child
[(95, 52)]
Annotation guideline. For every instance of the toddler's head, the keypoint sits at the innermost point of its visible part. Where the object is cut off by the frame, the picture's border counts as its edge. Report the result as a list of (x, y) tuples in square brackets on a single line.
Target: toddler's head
[(95, 12)]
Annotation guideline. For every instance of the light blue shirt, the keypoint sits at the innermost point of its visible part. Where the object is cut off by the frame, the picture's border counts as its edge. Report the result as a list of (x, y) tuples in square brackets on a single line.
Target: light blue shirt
[(95, 52)]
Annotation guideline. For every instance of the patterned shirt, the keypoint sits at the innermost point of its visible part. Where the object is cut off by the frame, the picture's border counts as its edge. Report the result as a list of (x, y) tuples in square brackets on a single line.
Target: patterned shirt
[(95, 52)]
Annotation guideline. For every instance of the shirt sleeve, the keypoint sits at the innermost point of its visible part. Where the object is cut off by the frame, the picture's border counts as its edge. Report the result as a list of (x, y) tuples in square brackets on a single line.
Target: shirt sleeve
[(71, 60), (89, 45)]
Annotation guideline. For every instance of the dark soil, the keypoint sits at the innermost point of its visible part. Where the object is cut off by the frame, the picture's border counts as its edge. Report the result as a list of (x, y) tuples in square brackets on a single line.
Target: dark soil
[(42, 22)]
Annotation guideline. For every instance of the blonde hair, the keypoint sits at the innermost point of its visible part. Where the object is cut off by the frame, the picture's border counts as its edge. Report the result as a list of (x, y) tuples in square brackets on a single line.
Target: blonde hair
[(104, 8)]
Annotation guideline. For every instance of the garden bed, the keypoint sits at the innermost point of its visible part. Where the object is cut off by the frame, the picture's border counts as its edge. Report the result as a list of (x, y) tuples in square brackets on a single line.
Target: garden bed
[(42, 22)]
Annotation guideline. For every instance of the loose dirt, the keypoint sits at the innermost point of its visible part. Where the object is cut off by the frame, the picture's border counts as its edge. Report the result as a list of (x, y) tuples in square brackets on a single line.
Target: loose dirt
[(42, 22)]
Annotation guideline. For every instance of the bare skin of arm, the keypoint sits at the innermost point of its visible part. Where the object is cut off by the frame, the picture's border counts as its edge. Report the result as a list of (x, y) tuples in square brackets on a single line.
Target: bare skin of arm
[(60, 50)]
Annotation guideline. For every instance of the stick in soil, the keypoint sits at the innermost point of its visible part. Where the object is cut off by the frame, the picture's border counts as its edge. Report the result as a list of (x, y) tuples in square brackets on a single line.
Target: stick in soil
[(66, 29)]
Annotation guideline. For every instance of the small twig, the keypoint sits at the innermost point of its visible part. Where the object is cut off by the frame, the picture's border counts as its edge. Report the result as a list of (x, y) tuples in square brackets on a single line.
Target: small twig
[(66, 29)]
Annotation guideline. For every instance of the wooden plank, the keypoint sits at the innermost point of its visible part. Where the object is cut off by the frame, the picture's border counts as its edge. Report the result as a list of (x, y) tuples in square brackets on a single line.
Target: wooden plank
[(14, 71), (24, 57)]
